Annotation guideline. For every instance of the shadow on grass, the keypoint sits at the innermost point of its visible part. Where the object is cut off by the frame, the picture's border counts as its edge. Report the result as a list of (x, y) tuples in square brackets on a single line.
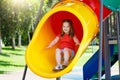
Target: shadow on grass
[(8, 48), (16, 54), (6, 55), (7, 64), (3, 72)]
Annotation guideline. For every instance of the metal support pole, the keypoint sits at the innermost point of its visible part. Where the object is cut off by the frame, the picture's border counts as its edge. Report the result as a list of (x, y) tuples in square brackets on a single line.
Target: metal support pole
[(92, 46), (25, 70), (110, 26), (58, 78), (118, 38), (101, 35), (106, 52)]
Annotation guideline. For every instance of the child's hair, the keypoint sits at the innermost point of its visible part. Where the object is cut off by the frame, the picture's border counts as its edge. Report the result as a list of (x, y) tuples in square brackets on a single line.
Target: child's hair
[(71, 32)]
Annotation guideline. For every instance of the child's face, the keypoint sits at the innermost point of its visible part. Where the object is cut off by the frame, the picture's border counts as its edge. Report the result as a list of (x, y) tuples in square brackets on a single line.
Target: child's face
[(66, 27)]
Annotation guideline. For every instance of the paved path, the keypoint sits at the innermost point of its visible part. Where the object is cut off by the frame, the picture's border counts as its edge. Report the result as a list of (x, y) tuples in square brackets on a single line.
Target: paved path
[(76, 74), (18, 76)]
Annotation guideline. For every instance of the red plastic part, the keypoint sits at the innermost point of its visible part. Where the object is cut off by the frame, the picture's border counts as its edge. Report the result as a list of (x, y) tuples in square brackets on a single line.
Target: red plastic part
[(95, 5), (56, 23)]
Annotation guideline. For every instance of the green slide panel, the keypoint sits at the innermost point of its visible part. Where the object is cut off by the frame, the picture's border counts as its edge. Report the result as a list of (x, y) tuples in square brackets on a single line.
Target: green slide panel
[(114, 5)]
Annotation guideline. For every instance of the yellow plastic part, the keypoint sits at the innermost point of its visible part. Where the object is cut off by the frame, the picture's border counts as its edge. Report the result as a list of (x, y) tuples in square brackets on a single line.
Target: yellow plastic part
[(41, 60)]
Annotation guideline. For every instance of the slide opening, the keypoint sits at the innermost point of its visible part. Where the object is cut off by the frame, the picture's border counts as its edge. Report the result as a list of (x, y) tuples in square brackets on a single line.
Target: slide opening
[(42, 60), (50, 29)]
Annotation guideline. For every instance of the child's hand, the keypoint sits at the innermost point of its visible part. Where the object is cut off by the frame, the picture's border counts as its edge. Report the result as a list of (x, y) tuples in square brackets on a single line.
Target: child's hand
[(48, 47)]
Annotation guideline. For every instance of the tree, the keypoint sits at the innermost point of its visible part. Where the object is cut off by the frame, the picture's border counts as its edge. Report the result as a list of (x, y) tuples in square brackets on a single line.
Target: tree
[(0, 36), (39, 13), (18, 19), (0, 42), (1, 26)]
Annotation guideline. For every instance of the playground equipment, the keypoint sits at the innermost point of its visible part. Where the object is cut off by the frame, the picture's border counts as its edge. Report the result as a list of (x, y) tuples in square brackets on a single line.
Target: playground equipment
[(112, 4), (41, 60), (89, 73), (85, 17), (110, 52), (95, 5)]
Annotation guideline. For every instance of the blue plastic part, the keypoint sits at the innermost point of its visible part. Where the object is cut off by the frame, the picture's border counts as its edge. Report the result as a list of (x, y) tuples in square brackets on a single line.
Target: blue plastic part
[(91, 67)]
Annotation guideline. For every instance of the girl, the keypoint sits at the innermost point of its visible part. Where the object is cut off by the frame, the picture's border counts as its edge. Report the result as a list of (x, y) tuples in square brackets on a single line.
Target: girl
[(67, 43)]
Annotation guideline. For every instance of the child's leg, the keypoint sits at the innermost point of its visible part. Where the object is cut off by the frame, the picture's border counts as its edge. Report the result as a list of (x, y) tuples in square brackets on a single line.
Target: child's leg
[(58, 56), (58, 59), (67, 53)]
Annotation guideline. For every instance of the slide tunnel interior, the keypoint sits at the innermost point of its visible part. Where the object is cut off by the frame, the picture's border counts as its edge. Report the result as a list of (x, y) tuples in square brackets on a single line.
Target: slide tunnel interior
[(49, 30)]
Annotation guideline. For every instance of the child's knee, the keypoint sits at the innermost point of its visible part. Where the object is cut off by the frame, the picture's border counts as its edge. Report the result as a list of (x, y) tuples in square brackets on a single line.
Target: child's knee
[(66, 50), (58, 50)]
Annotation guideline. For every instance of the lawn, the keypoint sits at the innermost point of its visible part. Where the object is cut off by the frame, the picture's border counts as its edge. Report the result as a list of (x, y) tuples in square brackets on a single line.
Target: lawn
[(12, 60), (87, 55)]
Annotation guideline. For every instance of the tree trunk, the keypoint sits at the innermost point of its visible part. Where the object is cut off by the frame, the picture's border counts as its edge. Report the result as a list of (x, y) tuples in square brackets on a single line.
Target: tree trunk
[(39, 13), (29, 37), (13, 42), (19, 40), (0, 43)]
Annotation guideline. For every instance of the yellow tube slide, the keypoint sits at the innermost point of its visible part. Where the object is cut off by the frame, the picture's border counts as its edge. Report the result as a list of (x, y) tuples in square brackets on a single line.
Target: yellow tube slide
[(41, 60)]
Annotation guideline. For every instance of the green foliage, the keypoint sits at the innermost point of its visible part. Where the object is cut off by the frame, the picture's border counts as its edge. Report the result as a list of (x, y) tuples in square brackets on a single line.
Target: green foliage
[(48, 4), (17, 17)]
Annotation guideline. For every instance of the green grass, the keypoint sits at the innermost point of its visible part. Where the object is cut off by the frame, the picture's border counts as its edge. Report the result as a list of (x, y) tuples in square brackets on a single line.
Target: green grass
[(11, 60), (87, 55)]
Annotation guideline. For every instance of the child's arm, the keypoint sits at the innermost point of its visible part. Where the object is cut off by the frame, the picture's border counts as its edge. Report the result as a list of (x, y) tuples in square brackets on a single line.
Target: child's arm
[(53, 42), (76, 40), (76, 43)]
